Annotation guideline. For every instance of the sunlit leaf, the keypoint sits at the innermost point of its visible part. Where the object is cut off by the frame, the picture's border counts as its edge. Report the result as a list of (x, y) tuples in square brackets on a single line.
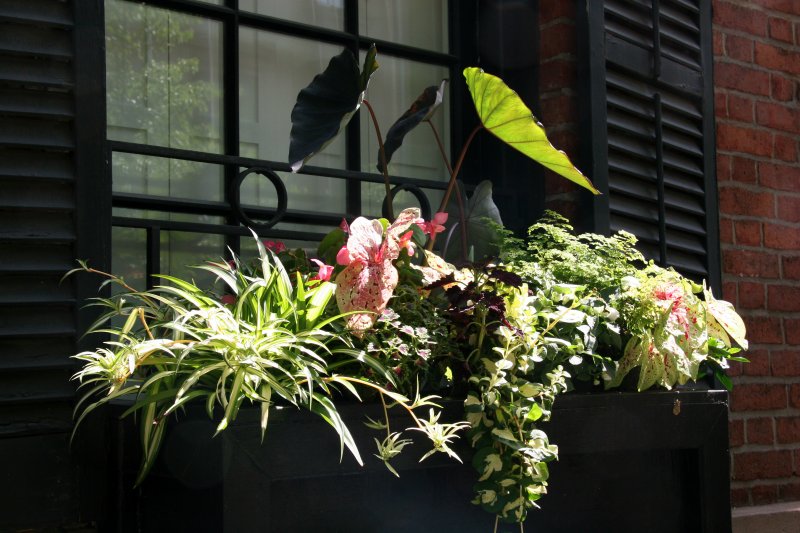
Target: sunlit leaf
[(505, 115), (724, 315)]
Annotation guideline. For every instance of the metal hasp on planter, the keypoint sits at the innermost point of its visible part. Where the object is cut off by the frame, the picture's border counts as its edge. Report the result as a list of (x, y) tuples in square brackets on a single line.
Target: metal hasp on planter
[(628, 461)]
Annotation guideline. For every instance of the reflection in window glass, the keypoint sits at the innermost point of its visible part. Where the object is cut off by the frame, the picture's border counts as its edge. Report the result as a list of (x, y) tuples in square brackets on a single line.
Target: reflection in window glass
[(420, 23), (158, 176), (273, 69), (392, 90), (182, 250), (326, 13), (129, 260), (163, 77)]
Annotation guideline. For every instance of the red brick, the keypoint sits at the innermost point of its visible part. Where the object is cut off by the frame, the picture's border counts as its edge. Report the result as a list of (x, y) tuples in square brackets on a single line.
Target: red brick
[(792, 328), (549, 11), (559, 109), (737, 201), (764, 329), (781, 237), (764, 494), (735, 433), (726, 231), (781, 29), (751, 295), (748, 232), (762, 465), (759, 397), (758, 365), (720, 104), (789, 492), (760, 431), (779, 176), (743, 169), (735, 369), (735, 17), (558, 74), (787, 429), (745, 79), (794, 400), (739, 48), (729, 291), (750, 263), (558, 39), (778, 117), (791, 267), (787, 6), (783, 298), (782, 88), (789, 208), (740, 497), (785, 362), (719, 47), (740, 108), (776, 58), (797, 462), (785, 148), (723, 167), (741, 139)]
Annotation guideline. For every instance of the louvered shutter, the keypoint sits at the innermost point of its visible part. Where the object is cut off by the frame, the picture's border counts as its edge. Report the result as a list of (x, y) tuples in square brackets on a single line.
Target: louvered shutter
[(648, 69), (45, 189)]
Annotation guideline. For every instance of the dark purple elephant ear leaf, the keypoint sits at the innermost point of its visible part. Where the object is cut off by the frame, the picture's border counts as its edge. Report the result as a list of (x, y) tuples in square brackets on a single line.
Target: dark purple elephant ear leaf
[(327, 104), (422, 108)]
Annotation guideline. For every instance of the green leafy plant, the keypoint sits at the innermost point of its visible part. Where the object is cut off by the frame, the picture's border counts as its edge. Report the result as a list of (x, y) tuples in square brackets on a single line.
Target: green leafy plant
[(269, 339)]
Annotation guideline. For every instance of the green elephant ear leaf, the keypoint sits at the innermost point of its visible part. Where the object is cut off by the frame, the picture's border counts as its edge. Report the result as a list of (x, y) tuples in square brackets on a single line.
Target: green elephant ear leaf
[(505, 115), (482, 218), (327, 104), (422, 109)]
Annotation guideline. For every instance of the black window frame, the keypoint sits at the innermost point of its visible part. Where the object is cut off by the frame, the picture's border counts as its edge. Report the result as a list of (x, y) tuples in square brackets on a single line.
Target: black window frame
[(461, 21)]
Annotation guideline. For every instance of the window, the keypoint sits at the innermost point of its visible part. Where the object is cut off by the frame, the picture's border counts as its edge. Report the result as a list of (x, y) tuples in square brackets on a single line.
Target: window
[(199, 95)]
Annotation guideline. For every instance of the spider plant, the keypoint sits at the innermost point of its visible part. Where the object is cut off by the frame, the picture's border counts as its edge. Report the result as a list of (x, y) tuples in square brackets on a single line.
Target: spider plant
[(269, 339)]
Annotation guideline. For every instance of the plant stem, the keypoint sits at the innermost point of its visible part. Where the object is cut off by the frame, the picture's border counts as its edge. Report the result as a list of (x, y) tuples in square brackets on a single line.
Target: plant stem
[(496, 522), (382, 152), (461, 211), (450, 186), (385, 416)]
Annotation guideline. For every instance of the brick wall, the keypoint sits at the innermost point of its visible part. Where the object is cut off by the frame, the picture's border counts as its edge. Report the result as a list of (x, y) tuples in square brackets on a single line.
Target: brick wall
[(558, 99), (757, 75)]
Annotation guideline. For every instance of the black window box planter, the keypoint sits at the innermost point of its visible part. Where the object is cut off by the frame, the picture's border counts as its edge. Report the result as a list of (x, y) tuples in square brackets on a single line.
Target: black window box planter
[(629, 462)]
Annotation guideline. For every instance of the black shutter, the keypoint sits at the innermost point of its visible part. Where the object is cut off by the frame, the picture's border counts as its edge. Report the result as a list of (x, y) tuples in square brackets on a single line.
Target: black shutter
[(43, 229), (647, 66)]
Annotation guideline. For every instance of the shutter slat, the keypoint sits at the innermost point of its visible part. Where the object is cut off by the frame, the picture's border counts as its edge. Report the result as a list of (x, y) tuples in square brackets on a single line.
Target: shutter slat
[(44, 73), (24, 39), (44, 104), (37, 12)]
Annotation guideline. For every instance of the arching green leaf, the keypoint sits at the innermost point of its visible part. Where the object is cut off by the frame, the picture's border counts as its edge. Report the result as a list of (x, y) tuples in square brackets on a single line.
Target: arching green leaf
[(505, 115)]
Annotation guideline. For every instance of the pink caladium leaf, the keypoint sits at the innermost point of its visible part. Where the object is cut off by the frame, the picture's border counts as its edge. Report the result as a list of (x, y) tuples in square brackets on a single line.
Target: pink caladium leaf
[(369, 279)]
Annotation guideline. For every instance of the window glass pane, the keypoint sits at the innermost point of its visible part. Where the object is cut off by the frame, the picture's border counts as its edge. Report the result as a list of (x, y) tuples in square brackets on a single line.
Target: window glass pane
[(164, 77), (273, 68), (421, 23), (181, 250), (326, 13), (158, 176), (129, 260), (392, 90)]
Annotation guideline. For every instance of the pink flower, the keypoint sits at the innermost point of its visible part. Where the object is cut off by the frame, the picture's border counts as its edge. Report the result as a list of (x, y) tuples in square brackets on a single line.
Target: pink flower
[(434, 226), (275, 246), (343, 257), (405, 242), (228, 299), (325, 271), (344, 226)]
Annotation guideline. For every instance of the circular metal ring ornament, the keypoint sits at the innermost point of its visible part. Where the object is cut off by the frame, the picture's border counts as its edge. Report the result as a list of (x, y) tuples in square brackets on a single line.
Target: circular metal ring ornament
[(424, 204), (280, 191)]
